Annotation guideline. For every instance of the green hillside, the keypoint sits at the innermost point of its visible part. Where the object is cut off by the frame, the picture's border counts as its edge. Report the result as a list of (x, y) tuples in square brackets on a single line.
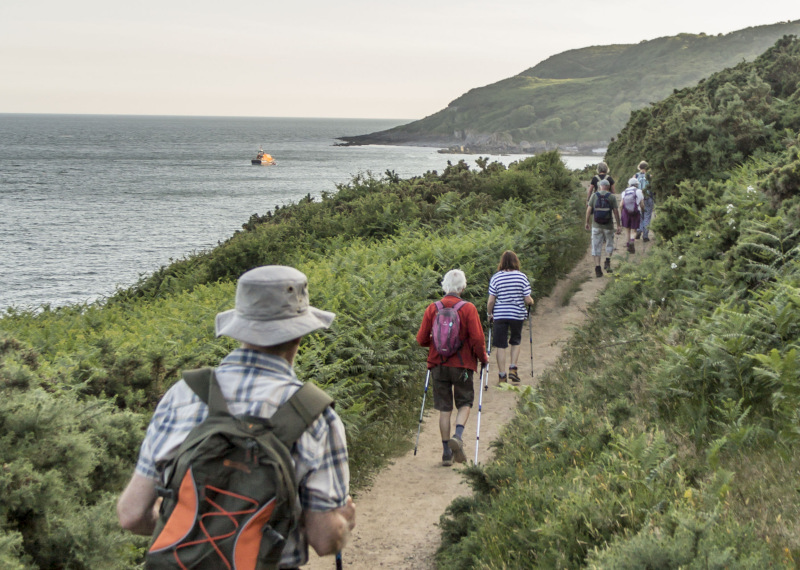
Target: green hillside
[(580, 98), (668, 435)]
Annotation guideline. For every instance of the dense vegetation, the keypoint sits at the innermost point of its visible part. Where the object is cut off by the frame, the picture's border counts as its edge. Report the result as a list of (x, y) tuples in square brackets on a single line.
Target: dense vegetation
[(667, 436), (582, 97), (78, 383)]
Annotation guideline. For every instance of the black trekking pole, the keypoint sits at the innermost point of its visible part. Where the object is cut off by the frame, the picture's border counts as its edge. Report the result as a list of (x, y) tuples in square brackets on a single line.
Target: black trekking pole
[(484, 375), (530, 333), (339, 560), (425, 393)]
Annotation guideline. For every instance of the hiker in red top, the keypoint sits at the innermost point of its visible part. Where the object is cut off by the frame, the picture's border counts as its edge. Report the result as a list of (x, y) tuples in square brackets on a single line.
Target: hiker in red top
[(453, 372)]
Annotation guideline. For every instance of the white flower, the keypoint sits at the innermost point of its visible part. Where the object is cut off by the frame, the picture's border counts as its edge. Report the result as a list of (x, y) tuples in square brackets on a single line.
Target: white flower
[(731, 208), (680, 257), (698, 233), (674, 266), (663, 299), (751, 190), (731, 222)]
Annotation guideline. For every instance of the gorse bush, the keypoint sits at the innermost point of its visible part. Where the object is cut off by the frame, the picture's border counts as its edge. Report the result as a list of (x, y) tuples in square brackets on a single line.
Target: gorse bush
[(81, 381), (701, 132), (667, 435)]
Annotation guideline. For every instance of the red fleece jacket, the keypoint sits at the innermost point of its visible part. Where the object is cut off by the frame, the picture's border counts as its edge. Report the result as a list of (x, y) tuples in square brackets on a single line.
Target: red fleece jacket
[(473, 343)]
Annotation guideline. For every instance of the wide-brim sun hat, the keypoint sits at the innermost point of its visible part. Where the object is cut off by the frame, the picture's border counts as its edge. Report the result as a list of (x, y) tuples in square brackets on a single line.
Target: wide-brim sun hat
[(271, 308)]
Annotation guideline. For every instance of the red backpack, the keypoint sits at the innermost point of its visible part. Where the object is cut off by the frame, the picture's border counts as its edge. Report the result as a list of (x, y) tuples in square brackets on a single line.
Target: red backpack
[(446, 327)]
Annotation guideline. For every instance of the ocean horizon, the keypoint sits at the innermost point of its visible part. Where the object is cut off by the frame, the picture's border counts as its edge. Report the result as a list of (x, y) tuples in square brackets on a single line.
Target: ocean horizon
[(91, 203)]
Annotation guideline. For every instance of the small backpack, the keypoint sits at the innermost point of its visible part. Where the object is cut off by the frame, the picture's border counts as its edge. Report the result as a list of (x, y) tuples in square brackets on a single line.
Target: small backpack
[(602, 208), (644, 184), (629, 200), (446, 327), (230, 498)]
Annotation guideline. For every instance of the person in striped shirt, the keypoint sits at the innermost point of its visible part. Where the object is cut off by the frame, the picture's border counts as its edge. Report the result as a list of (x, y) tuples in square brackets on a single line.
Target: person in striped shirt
[(509, 294)]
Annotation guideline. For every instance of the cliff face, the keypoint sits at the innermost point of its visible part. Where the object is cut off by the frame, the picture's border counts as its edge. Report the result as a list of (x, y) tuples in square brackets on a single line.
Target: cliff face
[(579, 99)]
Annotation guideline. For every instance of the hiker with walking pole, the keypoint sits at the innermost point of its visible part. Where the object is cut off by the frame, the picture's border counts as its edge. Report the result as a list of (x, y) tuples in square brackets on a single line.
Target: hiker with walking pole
[(509, 294), (451, 328)]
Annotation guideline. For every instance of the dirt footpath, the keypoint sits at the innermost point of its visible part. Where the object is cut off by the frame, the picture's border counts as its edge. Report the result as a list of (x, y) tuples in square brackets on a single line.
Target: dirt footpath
[(397, 518)]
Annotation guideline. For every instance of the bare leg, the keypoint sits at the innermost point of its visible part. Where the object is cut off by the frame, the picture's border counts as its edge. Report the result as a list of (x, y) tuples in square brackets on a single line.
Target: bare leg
[(516, 348), (463, 415), (444, 424), (501, 360)]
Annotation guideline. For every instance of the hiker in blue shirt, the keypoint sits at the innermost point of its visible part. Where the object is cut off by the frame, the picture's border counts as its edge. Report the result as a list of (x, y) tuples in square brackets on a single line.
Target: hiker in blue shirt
[(509, 294)]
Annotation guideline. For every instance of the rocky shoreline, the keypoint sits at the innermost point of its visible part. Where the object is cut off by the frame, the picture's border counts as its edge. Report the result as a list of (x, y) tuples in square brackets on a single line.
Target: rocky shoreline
[(474, 143)]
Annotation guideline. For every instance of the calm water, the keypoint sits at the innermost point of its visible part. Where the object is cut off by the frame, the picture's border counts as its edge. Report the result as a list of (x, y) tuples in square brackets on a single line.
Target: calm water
[(90, 203)]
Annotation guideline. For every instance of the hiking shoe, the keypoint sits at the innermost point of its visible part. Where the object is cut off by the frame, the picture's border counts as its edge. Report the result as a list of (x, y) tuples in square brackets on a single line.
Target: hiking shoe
[(631, 248), (512, 376), (607, 265), (597, 271), (646, 239), (638, 234), (501, 378), (447, 459), (457, 447)]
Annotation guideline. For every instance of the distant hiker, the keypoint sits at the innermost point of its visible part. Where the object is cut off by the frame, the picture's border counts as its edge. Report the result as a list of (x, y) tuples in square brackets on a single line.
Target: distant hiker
[(649, 201), (602, 174), (509, 294), (601, 213), (453, 375), (632, 205), (271, 317)]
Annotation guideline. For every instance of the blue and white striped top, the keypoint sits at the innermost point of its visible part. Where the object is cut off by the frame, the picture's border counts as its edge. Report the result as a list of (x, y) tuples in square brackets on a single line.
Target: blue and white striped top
[(510, 289)]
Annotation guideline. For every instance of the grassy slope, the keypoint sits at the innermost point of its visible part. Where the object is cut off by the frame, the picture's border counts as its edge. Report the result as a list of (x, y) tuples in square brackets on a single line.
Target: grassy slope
[(668, 435), (586, 95)]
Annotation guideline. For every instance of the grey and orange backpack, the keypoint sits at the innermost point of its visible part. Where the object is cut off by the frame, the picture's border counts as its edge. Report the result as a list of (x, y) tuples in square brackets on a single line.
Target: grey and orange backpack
[(230, 494)]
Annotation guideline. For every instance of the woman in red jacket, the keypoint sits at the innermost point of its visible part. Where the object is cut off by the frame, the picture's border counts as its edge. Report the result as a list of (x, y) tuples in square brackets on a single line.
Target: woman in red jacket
[(453, 375)]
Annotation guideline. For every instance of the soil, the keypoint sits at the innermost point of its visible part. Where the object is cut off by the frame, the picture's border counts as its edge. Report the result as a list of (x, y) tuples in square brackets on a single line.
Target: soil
[(397, 518)]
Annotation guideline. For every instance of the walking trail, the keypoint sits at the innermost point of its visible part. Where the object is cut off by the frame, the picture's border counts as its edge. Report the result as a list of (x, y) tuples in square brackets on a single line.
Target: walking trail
[(397, 518)]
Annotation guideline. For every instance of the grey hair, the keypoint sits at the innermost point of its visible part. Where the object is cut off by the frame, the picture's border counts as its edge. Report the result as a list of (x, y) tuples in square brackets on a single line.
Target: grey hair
[(604, 182), (454, 281), (602, 168)]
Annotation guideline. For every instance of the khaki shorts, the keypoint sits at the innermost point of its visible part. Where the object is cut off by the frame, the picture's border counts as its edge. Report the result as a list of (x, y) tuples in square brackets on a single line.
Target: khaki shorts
[(602, 236), (450, 383)]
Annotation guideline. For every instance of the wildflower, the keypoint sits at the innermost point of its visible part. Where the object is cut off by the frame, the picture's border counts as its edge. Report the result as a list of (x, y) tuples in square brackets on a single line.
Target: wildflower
[(663, 299), (731, 222), (680, 257), (674, 266), (698, 233), (731, 208), (751, 190)]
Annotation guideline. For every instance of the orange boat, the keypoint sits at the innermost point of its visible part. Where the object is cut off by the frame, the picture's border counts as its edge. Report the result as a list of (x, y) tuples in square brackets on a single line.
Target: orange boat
[(263, 158)]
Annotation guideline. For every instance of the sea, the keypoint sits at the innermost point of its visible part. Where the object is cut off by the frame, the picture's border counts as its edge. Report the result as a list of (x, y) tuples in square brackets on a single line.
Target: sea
[(92, 203)]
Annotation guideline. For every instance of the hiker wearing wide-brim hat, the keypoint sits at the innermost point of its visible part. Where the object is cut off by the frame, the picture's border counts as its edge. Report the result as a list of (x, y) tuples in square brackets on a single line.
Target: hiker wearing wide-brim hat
[(271, 308), (271, 315)]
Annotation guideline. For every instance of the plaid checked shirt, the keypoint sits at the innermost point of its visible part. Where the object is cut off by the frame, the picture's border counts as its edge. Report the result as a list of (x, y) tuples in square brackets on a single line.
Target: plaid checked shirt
[(257, 384)]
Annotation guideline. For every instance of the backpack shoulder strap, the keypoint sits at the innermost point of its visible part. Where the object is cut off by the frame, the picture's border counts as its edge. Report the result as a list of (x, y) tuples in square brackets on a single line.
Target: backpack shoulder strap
[(439, 306), (299, 412), (203, 382), (458, 305)]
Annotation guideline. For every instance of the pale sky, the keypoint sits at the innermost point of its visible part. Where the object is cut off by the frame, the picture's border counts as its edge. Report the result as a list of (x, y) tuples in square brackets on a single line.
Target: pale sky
[(313, 58)]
